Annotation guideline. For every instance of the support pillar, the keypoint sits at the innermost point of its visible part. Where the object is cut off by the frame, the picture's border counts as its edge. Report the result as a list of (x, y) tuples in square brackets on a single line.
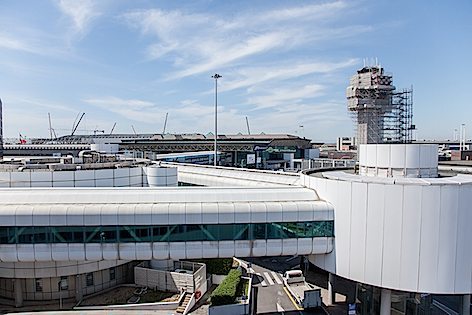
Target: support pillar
[(78, 288), (466, 304), (18, 284), (385, 302), (331, 292)]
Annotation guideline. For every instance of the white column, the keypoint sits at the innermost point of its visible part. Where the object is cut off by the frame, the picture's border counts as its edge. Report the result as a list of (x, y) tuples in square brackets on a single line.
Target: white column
[(385, 302), (331, 293), (18, 284), (466, 304)]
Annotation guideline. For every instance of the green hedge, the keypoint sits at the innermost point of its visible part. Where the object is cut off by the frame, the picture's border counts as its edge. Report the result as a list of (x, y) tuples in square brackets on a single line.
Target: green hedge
[(217, 266), (225, 293)]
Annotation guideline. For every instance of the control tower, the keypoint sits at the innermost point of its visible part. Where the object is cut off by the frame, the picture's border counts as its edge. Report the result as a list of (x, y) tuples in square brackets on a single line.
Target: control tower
[(382, 114)]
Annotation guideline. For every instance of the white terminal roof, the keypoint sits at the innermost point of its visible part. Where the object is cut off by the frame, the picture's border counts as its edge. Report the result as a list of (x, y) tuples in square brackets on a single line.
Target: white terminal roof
[(162, 206)]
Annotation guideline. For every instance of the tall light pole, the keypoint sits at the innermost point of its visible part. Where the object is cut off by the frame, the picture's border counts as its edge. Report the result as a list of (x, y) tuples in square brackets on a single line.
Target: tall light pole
[(216, 76)]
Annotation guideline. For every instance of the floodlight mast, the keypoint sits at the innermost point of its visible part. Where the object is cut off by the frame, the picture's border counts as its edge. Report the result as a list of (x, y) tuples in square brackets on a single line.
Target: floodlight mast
[(216, 76)]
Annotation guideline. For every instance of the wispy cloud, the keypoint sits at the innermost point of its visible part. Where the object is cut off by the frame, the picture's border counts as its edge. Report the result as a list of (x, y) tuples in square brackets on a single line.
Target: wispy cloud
[(285, 96), (245, 77), (134, 109), (80, 12), (199, 43)]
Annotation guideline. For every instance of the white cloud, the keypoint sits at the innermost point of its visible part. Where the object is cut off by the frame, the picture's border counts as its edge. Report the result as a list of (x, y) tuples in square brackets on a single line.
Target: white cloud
[(200, 43), (8, 42), (81, 12), (251, 76), (285, 96)]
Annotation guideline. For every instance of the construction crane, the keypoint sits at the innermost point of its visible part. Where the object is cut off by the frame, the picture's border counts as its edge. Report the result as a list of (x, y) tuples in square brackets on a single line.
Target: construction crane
[(113, 128), (51, 130), (165, 124), (77, 125)]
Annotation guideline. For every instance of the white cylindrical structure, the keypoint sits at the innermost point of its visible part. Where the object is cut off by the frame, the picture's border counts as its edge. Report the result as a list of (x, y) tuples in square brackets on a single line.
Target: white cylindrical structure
[(398, 160), (161, 176)]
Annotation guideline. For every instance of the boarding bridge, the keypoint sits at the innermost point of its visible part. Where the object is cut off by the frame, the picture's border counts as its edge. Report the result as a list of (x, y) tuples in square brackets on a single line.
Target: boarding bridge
[(93, 224)]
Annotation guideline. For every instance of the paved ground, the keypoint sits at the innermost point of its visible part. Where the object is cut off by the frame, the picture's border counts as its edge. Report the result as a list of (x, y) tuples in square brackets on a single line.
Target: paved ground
[(272, 297)]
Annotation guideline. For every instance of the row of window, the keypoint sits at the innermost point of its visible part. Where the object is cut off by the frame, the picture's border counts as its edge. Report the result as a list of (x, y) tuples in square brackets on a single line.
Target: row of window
[(164, 233)]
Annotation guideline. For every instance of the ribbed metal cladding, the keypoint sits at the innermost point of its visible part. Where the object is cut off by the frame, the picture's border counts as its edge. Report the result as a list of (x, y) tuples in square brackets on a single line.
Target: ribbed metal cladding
[(1, 130)]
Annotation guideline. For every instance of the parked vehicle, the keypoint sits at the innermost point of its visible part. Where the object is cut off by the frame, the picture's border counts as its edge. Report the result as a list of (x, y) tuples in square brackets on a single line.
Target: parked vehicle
[(306, 294)]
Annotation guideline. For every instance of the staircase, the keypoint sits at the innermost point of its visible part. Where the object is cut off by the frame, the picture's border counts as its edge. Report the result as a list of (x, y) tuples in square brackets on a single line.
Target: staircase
[(183, 305)]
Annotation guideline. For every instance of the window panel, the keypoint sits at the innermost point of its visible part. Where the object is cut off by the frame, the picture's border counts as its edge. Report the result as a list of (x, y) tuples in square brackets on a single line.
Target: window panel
[(173, 233)]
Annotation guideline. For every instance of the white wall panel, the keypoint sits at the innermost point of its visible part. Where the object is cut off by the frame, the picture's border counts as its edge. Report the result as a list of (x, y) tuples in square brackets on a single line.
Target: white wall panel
[(371, 155), (242, 248), (398, 156), (342, 227), (60, 252), (8, 253), (143, 251), (127, 251), (160, 214), (242, 212), (24, 215), (259, 248), (448, 237), (392, 241), (358, 230), (320, 245), (210, 213), (193, 213), (412, 156), (305, 246), (289, 246), (77, 252), (383, 155), (126, 214), (143, 214), (410, 237), (274, 247), (42, 252), (430, 211), (63, 176), (108, 215), (93, 252), (41, 215), (290, 212), (194, 250), (41, 177), (25, 252), (84, 175), (274, 212), (374, 233), (258, 212), (211, 248), (225, 212), (464, 237), (226, 249), (160, 250), (110, 251)]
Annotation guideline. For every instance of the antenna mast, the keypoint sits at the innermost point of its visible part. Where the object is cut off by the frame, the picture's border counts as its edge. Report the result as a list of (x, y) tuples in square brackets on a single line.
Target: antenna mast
[(247, 124)]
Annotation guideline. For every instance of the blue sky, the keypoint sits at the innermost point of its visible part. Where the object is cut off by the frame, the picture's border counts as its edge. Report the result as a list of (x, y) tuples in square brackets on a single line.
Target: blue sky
[(285, 64)]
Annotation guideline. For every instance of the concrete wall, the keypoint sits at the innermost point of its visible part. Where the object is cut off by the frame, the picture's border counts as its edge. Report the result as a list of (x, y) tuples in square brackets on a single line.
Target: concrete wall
[(48, 288)]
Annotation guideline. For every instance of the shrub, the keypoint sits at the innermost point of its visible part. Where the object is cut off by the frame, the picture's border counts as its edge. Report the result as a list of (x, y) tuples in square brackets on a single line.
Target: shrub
[(225, 293), (217, 266)]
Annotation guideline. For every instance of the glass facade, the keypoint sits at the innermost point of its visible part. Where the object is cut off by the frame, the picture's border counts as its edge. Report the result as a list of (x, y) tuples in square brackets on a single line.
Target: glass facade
[(164, 233)]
